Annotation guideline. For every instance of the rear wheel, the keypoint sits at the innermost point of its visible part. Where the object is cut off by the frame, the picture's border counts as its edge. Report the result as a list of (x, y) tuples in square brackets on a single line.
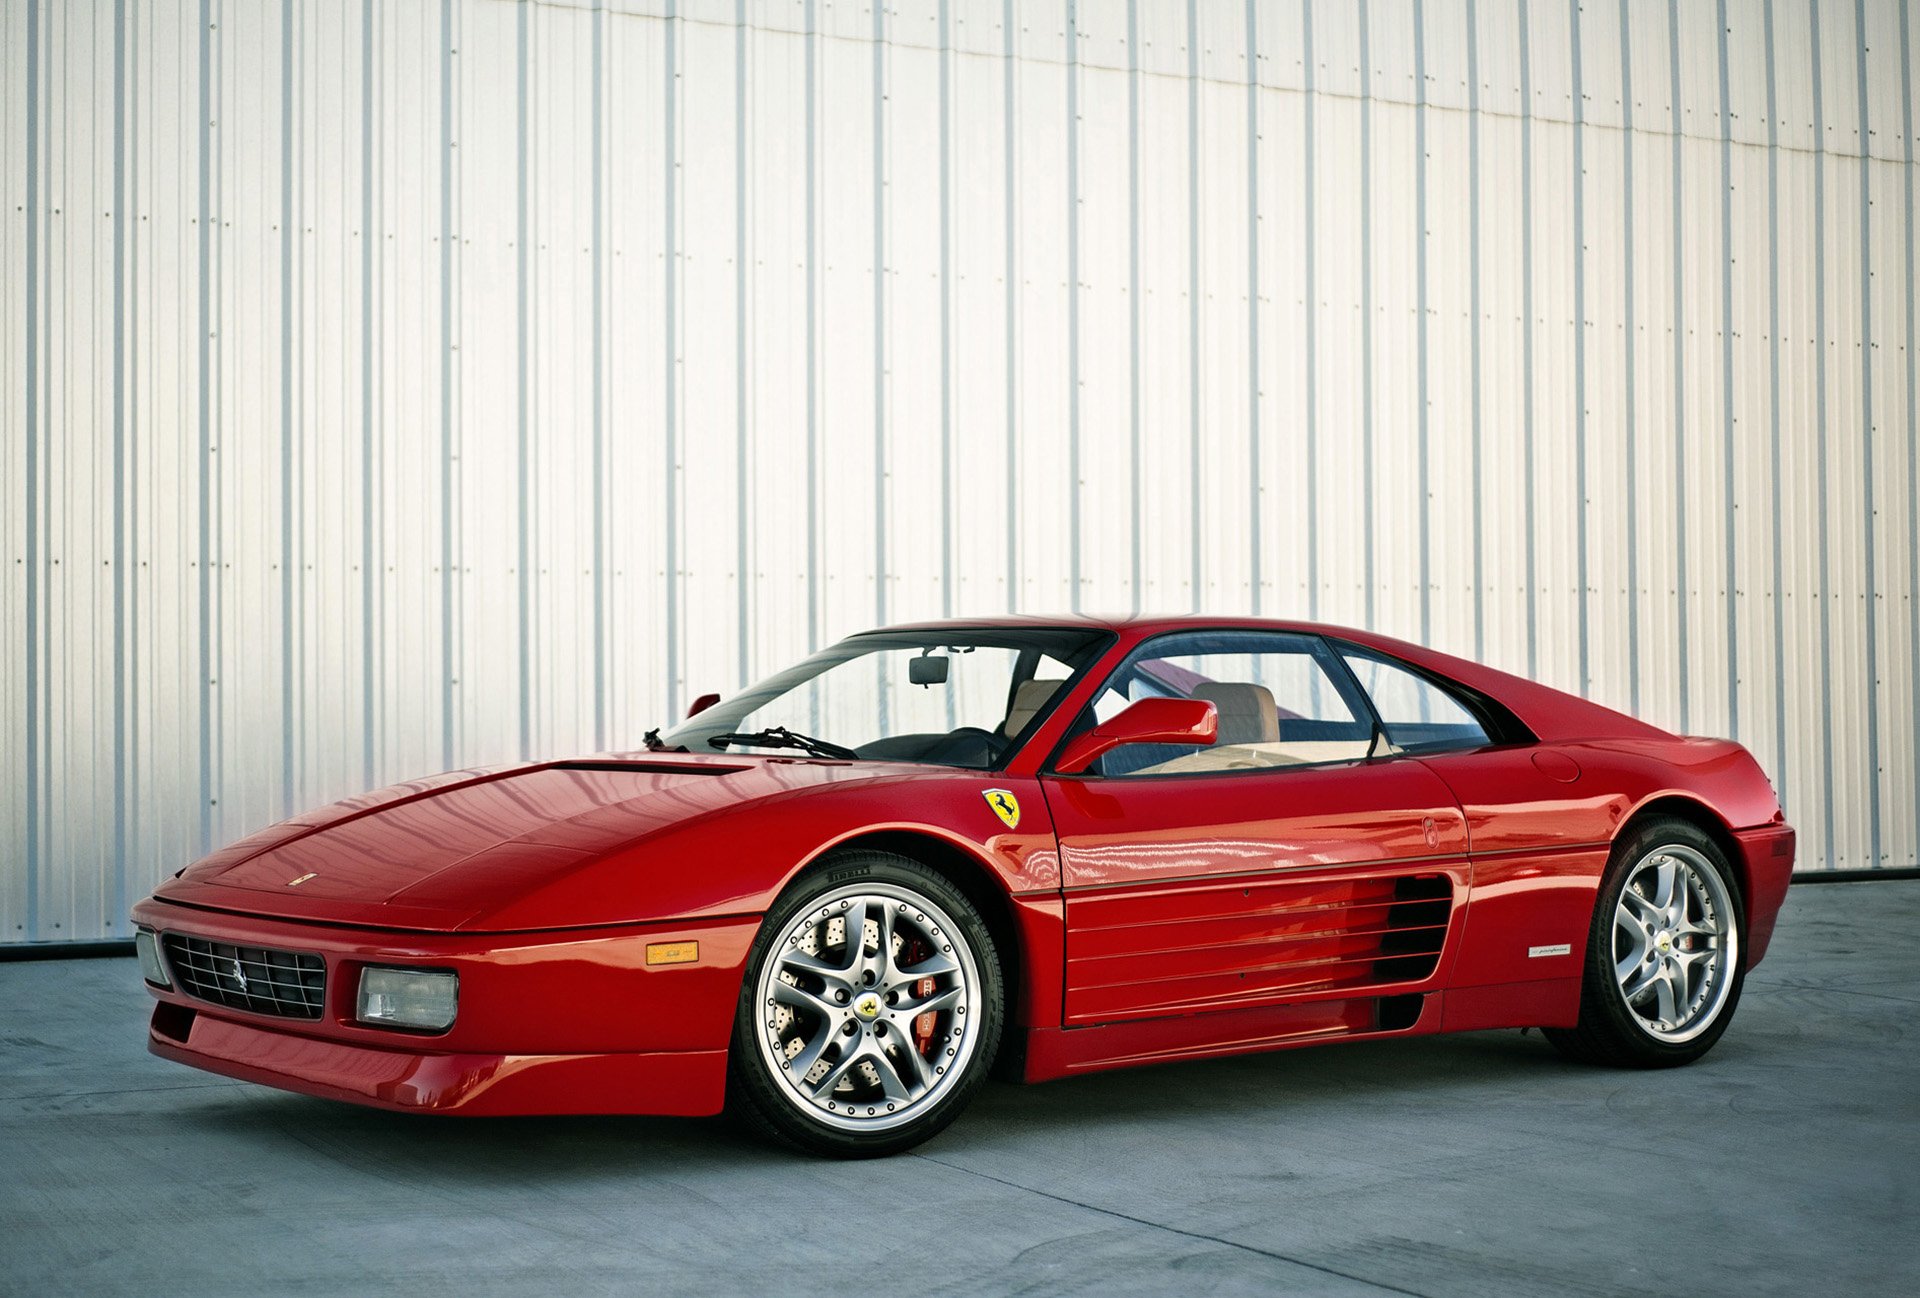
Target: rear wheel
[(870, 1011), (1664, 958)]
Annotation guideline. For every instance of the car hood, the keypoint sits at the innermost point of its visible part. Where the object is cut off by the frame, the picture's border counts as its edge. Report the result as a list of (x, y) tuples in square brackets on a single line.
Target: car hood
[(468, 851)]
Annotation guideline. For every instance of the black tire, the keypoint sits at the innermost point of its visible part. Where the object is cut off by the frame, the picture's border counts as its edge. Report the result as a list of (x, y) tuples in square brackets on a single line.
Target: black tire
[(771, 1099), (1622, 1033)]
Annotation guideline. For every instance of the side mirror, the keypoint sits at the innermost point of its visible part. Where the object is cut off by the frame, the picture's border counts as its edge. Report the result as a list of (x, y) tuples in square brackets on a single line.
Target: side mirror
[(701, 704), (1150, 721)]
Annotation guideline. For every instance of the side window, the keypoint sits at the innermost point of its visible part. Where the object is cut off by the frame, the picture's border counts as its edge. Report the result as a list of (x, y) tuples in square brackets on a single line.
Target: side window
[(1282, 700), (1419, 715)]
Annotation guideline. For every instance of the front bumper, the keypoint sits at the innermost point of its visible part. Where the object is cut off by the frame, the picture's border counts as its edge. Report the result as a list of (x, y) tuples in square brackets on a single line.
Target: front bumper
[(573, 1021), (688, 1083)]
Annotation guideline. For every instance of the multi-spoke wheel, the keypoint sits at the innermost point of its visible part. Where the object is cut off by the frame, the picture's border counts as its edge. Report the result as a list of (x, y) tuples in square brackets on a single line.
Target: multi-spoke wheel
[(871, 1008), (1663, 968)]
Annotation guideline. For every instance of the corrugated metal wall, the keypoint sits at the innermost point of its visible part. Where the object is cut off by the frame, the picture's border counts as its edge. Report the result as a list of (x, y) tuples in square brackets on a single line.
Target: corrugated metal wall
[(393, 386)]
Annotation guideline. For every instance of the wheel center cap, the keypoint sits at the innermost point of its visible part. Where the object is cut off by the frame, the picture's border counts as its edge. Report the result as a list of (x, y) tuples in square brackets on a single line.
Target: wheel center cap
[(1666, 942), (868, 1006)]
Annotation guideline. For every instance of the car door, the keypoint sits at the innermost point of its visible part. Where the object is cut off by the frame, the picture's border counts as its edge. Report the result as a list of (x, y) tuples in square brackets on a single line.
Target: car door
[(1280, 863), (1538, 836)]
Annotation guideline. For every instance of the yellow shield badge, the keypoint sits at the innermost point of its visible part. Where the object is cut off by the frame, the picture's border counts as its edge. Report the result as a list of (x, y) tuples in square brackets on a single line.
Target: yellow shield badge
[(1005, 806)]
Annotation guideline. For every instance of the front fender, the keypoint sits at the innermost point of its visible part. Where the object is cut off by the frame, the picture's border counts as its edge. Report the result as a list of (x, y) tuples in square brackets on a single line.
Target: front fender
[(735, 861)]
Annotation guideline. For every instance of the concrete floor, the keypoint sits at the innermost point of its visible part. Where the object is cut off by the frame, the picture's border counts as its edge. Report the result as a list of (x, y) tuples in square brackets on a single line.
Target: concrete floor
[(1787, 1162)]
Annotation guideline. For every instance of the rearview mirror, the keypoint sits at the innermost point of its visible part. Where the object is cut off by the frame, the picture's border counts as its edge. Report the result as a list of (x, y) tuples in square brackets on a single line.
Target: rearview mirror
[(1150, 721), (701, 704), (927, 669)]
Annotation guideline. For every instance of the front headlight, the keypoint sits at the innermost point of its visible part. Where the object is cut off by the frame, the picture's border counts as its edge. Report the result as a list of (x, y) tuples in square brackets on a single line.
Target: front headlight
[(424, 999), (151, 968)]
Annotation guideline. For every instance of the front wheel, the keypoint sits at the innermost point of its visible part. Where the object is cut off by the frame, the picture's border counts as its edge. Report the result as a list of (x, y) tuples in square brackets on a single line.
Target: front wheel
[(1664, 958), (870, 1011)]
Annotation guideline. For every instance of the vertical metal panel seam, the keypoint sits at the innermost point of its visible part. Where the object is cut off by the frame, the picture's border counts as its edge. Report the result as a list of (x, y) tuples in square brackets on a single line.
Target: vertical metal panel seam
[(368, 518), (598, 269), (1630, 322), (1134, 586), (742, 475), (1820, 456), (946, 322), (120, 897), (286, 409), (1075, 578), (1913, 416), (297, 560), (384, 644), (1682, 656), (1009, 282), (33, 789), (1773, 406), (1193, 299), (670, 305), (1424, 395), (522, 372), (1726, 378), (813, 351), (1868, 510), (134, 730), (447, 639), (880, 330), (1366, 312), (1583, 594), (879, 182), (1309, 246), (1253, 304), (204, 417), (1526, 335), (1475, 328), (945, 19), (218, 419)]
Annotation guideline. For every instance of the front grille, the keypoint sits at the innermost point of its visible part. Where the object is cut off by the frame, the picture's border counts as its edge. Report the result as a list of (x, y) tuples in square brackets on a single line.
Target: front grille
[(285, 984)]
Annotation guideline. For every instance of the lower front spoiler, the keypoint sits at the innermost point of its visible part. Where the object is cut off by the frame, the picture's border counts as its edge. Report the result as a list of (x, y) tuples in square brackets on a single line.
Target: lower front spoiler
[(670, 1083)]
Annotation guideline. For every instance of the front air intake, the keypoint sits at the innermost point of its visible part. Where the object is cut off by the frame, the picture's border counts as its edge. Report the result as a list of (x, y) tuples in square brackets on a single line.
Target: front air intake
[(284, 984)]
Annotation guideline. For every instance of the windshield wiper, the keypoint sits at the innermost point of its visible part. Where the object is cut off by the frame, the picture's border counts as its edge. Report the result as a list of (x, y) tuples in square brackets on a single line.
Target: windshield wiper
[(781, 737)]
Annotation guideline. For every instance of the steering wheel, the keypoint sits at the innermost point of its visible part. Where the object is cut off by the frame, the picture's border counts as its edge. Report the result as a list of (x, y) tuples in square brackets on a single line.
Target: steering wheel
[(966, 741)]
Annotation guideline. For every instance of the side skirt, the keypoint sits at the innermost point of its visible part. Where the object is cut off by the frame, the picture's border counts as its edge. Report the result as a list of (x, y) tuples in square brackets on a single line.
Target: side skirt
[(1066, 1052)]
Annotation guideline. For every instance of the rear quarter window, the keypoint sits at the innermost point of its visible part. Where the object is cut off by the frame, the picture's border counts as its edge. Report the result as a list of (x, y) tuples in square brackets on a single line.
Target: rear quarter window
[(1420, 714)]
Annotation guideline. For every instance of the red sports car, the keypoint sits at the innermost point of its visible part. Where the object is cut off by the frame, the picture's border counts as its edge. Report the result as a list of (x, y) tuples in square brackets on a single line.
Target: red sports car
[(839, 899)]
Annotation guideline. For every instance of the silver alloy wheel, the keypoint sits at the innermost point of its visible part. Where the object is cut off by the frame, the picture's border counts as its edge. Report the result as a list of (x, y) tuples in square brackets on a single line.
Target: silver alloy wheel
[(840, 996), (1676, 943)]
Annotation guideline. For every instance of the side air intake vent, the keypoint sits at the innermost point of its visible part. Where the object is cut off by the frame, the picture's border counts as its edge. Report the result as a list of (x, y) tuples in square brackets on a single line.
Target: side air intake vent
[(1142, 952), (1416, 929)]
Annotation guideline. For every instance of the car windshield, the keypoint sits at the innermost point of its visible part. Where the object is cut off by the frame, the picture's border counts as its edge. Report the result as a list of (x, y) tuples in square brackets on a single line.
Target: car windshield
[(947, 697)]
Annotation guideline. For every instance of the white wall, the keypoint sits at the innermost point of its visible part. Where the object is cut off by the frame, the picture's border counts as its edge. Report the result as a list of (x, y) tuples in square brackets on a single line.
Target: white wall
[(394, 386)]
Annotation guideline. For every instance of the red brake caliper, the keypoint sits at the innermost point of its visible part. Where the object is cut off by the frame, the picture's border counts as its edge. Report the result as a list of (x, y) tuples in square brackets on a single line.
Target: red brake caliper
[(923, 1025)]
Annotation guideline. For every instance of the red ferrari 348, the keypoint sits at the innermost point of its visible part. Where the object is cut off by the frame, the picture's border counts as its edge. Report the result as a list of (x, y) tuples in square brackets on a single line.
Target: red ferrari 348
[(836, 901)]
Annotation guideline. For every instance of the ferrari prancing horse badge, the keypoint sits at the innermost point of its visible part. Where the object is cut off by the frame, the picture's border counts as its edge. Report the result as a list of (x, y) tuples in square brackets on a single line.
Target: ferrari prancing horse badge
[(1004, 805)]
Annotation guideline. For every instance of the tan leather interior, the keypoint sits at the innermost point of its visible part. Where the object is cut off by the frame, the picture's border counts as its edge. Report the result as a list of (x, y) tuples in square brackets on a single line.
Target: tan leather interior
[(1253, 757), (1248, 714), (1028, 699), (1250, 736)]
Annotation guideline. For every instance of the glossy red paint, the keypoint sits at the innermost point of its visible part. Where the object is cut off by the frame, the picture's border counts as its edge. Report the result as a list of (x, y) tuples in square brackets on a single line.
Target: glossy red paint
[(1180, 916)]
